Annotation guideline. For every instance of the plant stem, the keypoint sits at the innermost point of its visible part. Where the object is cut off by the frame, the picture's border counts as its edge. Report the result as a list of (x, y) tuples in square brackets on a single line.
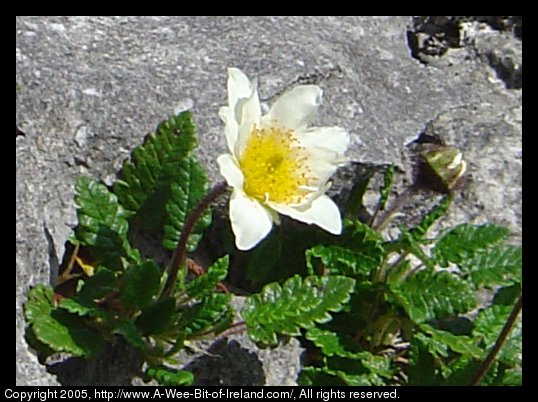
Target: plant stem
[(486, 364), (394, 207), (235, 328), (181, 250)]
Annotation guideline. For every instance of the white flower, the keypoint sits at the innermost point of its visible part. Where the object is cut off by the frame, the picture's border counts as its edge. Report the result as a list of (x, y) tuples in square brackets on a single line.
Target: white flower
[(276, 164)]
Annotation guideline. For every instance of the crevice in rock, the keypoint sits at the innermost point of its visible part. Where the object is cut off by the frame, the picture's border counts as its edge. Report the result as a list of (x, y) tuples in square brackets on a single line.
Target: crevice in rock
[(507, 70), (117, 365), (488, 38), (226, 362)]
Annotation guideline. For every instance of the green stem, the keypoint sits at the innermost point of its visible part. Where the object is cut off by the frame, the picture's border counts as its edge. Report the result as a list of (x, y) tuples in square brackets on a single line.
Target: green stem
[(180, 253), (486, 364), (394, 207)]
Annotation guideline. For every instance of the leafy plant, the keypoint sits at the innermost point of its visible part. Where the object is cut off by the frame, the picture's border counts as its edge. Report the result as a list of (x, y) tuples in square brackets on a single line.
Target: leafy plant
[(369, 310), (116, 292)]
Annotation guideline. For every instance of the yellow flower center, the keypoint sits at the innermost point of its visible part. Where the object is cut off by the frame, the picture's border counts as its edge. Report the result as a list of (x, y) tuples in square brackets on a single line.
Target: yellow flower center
[(274, 167)]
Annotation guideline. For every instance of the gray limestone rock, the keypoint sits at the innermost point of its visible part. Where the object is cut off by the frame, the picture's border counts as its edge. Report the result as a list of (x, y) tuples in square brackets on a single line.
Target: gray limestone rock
[(92, 87)]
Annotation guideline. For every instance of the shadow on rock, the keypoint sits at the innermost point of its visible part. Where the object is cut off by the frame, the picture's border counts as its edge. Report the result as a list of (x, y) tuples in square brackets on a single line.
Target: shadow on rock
[(117, 365), (227, 363)]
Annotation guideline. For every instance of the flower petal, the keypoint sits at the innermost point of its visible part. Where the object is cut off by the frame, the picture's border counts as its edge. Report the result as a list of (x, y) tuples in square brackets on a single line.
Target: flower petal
[(322, 212), (295, 108), (247, 114), (231, 128), (335, 139), (251, 222), (231, 172), (239, 86), (322, 163)]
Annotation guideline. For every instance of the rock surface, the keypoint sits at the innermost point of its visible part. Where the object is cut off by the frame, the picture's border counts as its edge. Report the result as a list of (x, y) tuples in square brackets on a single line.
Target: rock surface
[(92, 87)]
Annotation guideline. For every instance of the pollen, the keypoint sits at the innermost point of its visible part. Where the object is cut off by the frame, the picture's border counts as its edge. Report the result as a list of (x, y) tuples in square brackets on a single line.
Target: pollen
[(274, 167)]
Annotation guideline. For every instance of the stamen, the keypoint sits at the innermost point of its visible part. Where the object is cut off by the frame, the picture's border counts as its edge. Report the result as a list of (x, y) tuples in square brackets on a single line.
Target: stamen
[(275, 167)]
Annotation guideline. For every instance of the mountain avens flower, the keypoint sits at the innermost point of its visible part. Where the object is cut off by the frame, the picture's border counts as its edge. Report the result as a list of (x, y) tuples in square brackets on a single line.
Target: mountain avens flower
[(276, 164)]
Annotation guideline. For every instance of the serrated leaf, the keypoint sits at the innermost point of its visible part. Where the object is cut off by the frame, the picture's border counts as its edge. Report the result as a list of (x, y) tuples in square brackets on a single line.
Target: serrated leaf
[(384, 191), (457, 343), (343, 261), (187, 189), (296, 304), (465, 241), (139, 284), (102, 222), (422, 363), (331, 345), (39, 302), (64, 332), (358, 251), (99, 285), (431, 216), (205, 283), (324, 376), (408, 243), (153, 164), (170, 377), (81, 307), (157, 317), (319, 376), (489, 323), (328, 342), (495, 266), (206, 314), (354, 371), (427, 295), (129, 331), (513, 376), (357, 233)]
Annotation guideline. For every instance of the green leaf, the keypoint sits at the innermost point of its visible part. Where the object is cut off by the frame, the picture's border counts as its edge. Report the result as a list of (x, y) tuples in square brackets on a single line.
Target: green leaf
[(296, 304), (102, 222), (428, 294), (463, 242), (81, 307), (459, 344), (139, 284), (330, 343), (204, 284), (513, 376), (356, 234), (495, 266), (99, 285), (131, 334), (358, 251), (206, 314), (342, 261), (489, 323), (319, 376), (39, 303), (154, 164), (422, 363), (388, 176), (326, 376), (157, 317), (64, 332), (170, 377), (187, 189), (429, 219)]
